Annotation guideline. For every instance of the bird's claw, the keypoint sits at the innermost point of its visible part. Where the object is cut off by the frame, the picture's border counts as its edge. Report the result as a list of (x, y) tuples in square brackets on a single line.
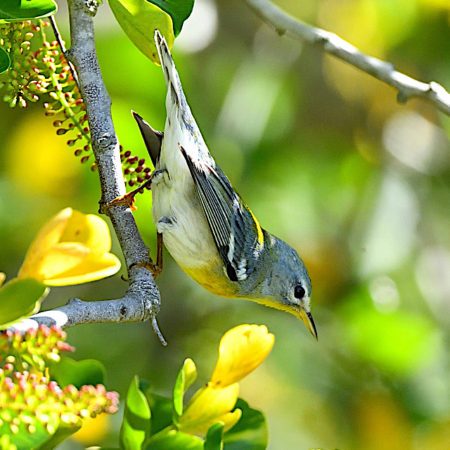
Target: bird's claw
[(155, 269)]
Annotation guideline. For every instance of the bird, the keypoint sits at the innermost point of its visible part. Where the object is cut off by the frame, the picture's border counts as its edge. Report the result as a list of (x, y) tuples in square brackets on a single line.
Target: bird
[(204, 223)]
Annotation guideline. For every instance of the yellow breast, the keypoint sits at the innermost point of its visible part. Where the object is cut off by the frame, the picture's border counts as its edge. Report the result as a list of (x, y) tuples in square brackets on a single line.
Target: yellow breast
[(213, 279)]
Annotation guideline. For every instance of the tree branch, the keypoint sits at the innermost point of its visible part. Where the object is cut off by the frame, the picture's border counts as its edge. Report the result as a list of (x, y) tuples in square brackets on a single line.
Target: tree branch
[(142, 300), (406, 86)]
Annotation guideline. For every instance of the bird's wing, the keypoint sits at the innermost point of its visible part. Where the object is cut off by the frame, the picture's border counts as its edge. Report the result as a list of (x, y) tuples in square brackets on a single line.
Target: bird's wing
[(236, 232), (152, 138)]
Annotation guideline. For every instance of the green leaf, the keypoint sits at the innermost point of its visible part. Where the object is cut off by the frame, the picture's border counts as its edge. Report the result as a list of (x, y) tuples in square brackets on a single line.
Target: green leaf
[(136, 418), (20, 298), (4, 60), (179, 10), (175, 440), (15, 10), (23, 439), (186, 376), (139, 19), (68, 371), (61, 434), (162, 409), (250, 433), (214, 436)]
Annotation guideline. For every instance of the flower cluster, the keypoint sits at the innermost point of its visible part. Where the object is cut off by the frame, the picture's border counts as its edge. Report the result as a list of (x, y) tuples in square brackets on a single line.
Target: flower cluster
[(45, 73), (15, 37), (32, 350), (134, 168), (31, 400)]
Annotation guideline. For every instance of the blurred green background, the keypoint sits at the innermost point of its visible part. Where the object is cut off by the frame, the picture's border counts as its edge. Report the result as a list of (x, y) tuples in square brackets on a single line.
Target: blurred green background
[(328, 161)]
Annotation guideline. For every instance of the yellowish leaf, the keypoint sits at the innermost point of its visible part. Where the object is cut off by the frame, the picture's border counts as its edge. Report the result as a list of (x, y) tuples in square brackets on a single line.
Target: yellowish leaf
[(140, 19)]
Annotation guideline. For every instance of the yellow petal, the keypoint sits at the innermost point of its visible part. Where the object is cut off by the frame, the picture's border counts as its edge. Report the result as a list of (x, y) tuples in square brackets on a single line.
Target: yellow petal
[(94, 267), (89, 230), (59, 259), (93, 430), (208, 406), (229, 420), (71, 248), (2, 278), (241, 350), (47, 237)]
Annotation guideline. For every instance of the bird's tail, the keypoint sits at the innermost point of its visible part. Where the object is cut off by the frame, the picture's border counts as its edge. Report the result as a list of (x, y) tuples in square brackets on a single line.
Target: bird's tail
[(170, 72), (181, 126)]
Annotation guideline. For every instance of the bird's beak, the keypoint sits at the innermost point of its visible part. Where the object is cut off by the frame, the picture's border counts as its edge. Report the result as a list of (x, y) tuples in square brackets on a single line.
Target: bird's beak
[(308, 321)]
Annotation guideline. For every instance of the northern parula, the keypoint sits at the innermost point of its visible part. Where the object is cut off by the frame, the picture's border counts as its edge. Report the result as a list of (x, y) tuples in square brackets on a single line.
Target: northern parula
[(206, 226)]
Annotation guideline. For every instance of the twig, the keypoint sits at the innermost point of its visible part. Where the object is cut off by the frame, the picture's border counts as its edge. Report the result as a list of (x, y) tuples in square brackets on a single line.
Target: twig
[(142, 300), (406, 86), (62, 47)]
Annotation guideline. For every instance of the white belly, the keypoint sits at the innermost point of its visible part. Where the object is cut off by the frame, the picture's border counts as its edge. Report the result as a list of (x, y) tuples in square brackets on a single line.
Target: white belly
[(186, 232)]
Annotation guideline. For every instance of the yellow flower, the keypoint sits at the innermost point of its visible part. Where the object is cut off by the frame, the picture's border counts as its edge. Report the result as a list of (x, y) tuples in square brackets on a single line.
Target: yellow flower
[(71, 248), (208, 406), (241, 350)]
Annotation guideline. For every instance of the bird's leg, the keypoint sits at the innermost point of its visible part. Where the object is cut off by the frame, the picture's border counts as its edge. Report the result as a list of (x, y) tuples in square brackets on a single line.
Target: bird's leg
[(155, 269), (128, 198)]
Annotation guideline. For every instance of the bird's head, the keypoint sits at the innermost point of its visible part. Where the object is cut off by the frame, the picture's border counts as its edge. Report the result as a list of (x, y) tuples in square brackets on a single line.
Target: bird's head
[(287, 285)]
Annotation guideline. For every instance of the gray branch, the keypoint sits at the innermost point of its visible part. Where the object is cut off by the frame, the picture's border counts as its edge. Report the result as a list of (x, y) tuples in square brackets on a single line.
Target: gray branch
[(142, 300), (406, 86)]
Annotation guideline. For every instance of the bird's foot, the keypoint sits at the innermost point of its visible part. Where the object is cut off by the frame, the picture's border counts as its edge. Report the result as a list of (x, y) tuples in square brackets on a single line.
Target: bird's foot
[(155, 269), (127, 199)]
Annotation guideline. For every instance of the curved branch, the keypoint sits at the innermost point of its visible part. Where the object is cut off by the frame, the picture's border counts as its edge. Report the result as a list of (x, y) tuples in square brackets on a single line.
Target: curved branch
[(406, 86), (129, 308), (142, 300)]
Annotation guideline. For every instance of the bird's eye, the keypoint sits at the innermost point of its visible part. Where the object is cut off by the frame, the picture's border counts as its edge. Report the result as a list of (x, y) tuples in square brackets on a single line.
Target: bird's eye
[(299, 291)]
